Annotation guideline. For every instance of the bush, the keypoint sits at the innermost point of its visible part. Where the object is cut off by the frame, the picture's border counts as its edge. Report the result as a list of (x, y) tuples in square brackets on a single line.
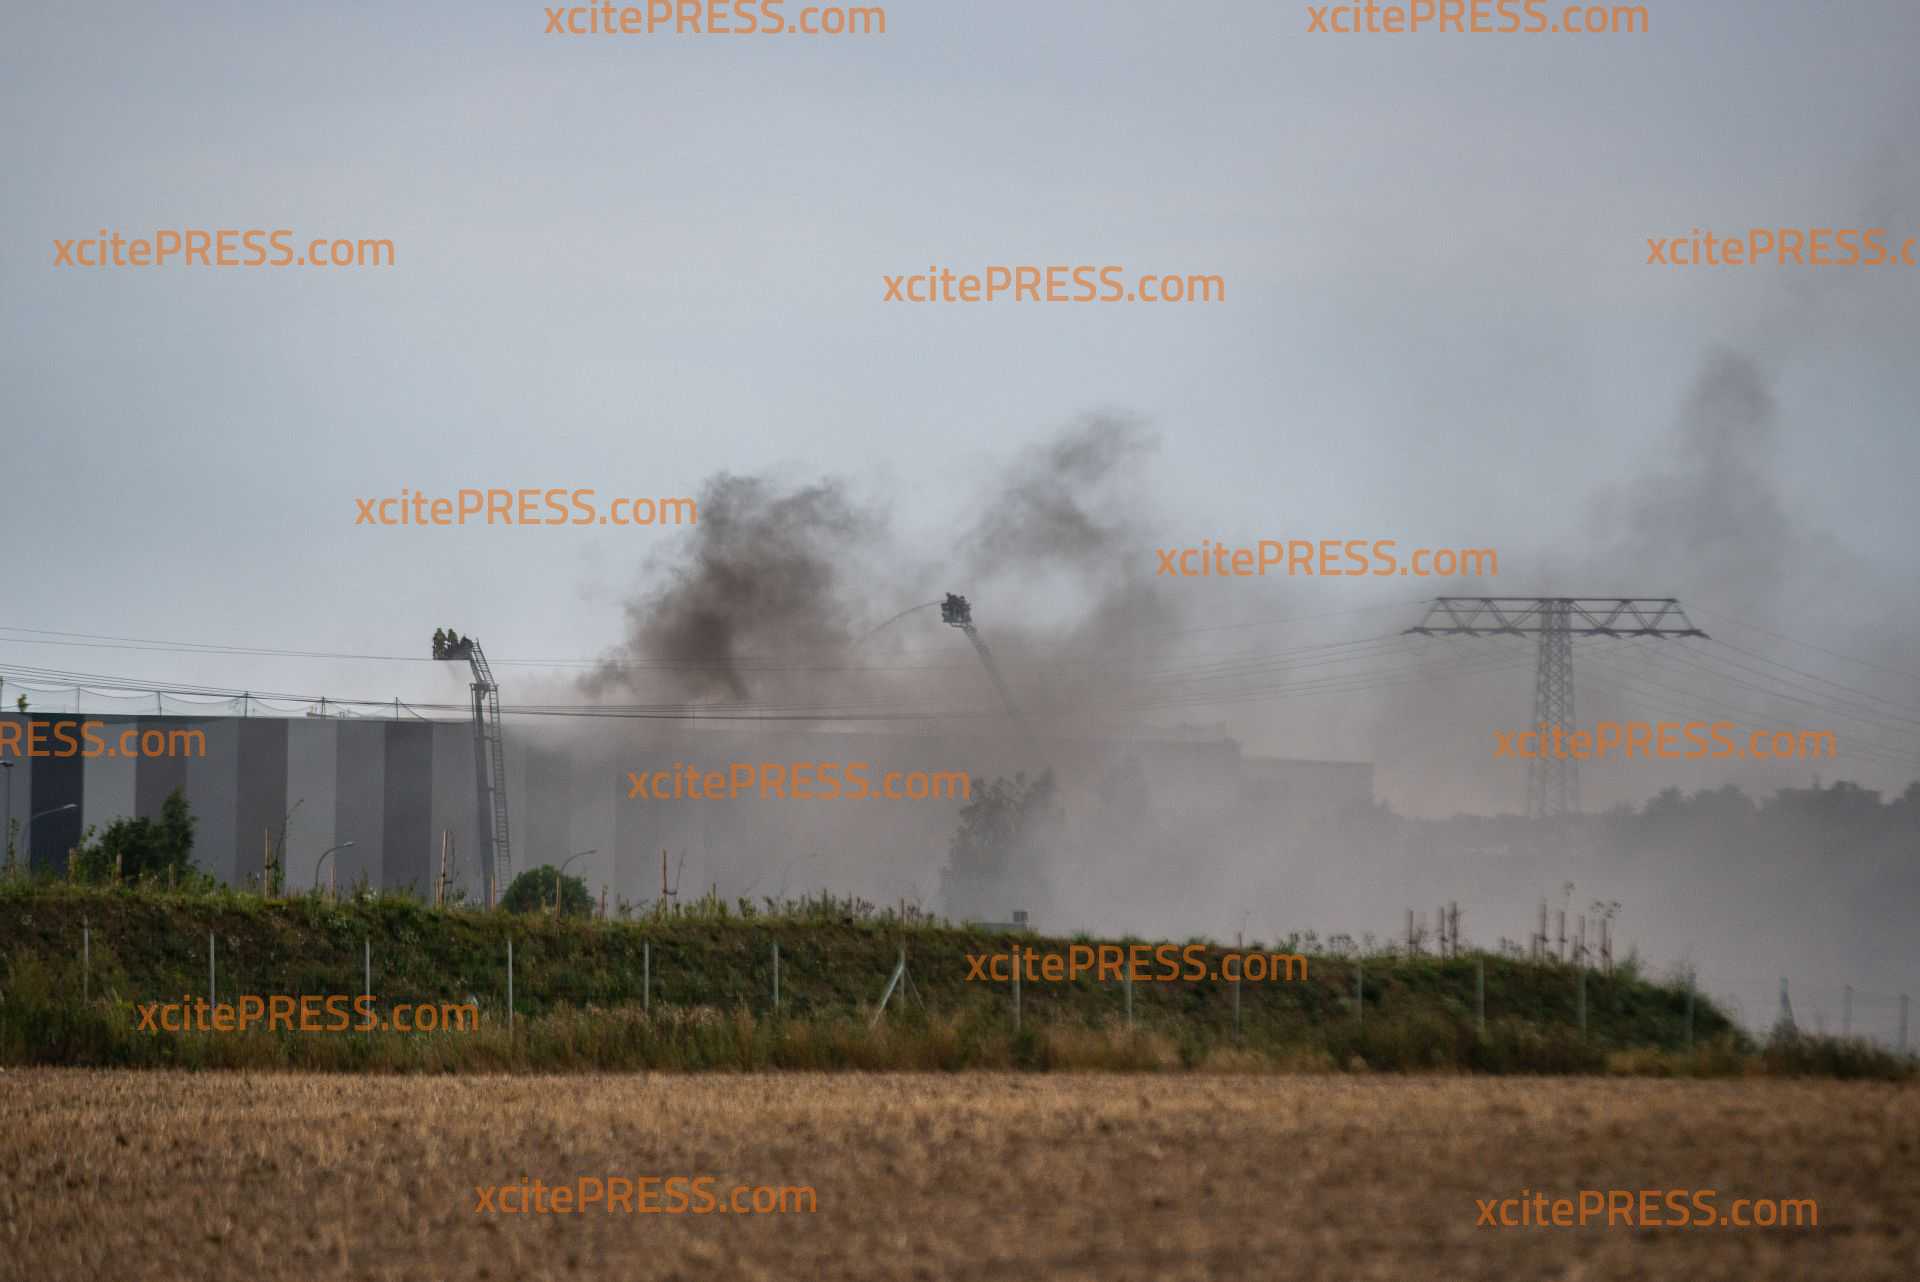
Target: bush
[(1794, 1054), (533, 890)]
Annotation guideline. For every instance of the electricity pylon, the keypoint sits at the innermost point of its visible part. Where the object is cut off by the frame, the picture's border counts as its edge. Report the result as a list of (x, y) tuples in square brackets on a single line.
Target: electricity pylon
[(1553, 780)]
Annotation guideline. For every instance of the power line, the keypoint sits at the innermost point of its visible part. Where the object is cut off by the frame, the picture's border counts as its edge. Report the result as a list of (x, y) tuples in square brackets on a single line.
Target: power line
[(1754, 627)]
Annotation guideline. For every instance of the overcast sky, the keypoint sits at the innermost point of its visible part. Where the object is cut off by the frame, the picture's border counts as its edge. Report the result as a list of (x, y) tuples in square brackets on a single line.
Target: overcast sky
[(631, 263)]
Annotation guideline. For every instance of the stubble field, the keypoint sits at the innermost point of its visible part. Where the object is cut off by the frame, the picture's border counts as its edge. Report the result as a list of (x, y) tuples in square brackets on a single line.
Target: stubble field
[(283, 1177)]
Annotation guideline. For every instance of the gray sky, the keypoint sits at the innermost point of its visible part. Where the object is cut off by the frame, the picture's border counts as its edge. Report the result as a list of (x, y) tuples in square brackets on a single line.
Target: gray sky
[(629, 264)]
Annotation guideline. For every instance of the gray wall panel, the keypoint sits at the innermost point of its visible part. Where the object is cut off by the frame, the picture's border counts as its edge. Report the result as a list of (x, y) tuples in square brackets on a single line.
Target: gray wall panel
[(109, 783), (360, 801), (454, 806), (313, 763), (213, 790), (56, 782), (590, 826), (263, 790), (541, 838), (155, 777), (406, 856)]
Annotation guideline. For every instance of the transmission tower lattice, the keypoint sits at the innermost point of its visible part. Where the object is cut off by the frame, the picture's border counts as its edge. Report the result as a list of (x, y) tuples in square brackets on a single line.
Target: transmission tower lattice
[(1553, 779)]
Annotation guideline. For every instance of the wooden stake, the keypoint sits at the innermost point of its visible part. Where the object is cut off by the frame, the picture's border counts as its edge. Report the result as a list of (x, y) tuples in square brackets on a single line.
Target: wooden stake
[(1480, 993)]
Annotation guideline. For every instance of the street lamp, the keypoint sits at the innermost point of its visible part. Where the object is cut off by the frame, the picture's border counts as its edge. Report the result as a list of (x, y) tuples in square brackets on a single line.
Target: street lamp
[(563, 868), (6, 828), (332, 889), (27, 826)]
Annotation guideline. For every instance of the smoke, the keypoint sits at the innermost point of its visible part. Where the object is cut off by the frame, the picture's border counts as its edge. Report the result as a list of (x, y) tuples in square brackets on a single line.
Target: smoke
[(765, 573), (778, 589), (1707, 515), (781, 589), (1066, 504)]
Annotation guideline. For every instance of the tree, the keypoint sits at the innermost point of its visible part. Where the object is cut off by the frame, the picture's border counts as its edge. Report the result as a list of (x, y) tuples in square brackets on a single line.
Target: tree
[(993, 862), (137, 847), (532, 892)]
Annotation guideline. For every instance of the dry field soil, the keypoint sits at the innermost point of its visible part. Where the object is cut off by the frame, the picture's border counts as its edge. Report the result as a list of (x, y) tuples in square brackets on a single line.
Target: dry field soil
[(291, 1178)]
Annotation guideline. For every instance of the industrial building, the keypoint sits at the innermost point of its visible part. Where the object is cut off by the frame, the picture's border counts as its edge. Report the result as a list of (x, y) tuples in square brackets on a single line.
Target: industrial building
[(392, 787)]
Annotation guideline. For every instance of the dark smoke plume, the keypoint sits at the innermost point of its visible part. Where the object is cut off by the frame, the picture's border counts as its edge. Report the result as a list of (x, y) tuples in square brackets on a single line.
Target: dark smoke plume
[(1054, 508), (1708, 514), (766, 573)]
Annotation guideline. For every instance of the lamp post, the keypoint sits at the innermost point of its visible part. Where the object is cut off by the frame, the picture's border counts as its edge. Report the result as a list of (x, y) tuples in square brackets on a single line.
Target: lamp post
[(28, 825), (331, 888), (6, 828), (563, 869)]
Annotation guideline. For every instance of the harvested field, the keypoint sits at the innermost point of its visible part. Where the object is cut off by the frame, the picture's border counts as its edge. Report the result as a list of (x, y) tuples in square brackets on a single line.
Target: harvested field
[(277, 1177)]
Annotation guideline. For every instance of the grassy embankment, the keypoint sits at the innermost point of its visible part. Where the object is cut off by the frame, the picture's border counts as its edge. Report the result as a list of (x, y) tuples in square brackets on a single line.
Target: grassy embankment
[(578, 996)]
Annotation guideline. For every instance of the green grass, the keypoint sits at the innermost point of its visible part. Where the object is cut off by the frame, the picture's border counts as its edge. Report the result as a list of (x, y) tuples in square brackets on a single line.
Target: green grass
[(578, 994)]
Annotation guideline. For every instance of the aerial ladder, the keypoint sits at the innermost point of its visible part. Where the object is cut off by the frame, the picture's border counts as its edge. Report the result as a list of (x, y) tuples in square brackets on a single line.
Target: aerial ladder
[(956, 613), (489, 760)]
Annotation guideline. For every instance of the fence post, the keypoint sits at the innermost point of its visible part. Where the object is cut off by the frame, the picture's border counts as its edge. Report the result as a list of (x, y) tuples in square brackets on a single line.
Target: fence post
[(1239, 966), (776, 976), (1480, 993), (646, 975), (1583, 1003), (1016, 988), (509, 985)]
